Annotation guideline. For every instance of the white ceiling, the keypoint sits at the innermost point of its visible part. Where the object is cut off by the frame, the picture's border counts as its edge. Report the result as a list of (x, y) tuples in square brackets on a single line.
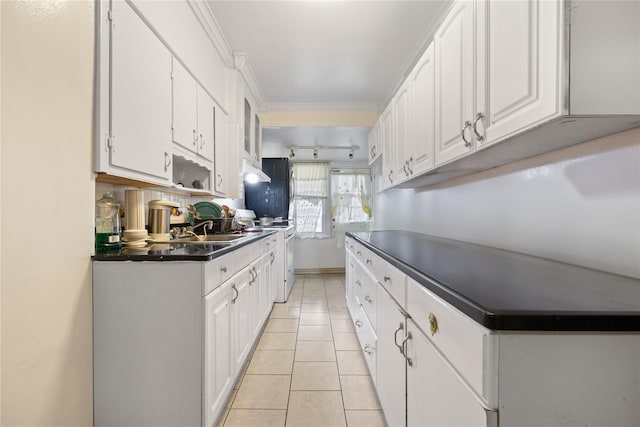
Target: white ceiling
[(350, 53)]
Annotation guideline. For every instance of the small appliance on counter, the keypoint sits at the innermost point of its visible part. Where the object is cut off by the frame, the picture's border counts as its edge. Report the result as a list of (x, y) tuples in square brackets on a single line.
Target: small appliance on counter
[(160, 219), (135, 234)]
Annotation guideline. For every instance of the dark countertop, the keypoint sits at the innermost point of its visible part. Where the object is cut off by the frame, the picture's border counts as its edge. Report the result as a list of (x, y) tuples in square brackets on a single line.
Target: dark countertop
[(505, 290), (180, 251)]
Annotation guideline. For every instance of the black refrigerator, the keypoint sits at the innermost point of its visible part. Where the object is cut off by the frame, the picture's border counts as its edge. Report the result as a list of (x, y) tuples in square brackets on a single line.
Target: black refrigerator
[(270, 198)]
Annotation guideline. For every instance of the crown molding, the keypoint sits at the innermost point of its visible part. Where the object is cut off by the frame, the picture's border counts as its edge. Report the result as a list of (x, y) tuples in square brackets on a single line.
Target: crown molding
[(208, 21), (242, 64), (373, 107)]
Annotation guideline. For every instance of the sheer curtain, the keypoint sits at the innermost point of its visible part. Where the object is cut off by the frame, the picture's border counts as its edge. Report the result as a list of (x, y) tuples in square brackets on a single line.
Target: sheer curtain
[(350, 202), (310, 184)]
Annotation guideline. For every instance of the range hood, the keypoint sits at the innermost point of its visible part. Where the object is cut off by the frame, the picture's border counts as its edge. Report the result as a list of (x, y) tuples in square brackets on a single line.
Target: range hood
[(252, 174)]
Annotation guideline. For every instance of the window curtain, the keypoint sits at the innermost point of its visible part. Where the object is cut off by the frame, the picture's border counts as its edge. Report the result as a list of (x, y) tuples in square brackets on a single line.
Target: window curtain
[(350, 202), (310, 184)]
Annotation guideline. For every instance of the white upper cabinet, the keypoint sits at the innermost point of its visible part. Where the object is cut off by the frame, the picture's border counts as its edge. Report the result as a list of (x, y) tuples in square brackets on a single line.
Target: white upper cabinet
[(422, 120), (185, 116), (518, 77), (206, 134), (252, 135), (389, 147), (193, 114), (454, 84), (140, 82), (375, 144), (401, 116)]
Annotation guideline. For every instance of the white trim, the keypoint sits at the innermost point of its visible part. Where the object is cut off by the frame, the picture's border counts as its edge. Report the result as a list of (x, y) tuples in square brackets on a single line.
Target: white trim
[(242, 64), (208, 21), (372, 107)]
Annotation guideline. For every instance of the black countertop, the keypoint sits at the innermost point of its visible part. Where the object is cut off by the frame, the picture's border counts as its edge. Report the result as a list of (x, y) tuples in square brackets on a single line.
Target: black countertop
[(180, 251), (506, 290)]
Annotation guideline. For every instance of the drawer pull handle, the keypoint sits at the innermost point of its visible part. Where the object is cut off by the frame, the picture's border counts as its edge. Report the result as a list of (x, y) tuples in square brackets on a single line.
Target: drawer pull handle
[(395, 338), (358, 283), (387, 278), (368, 299), (359, 323), (359, 253), (233, 300), (368, 349), (369, 261), (223, 269), (433, 323)]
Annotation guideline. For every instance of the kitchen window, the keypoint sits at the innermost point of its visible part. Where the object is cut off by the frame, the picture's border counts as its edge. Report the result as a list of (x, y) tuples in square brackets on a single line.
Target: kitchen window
[(310, 201), (350, 201)]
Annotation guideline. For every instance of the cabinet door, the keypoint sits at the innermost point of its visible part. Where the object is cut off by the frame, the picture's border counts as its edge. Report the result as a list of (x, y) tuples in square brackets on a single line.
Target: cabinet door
[(391, 370), (219, 367), (401, 110), (453, 43), (436, 397), (265, 286), (241, 312), (518, 79), (257, 139), (257, 303), (422, 114), (206, 125), (140, 96), (184, 125), (388, 148), (247, 128)]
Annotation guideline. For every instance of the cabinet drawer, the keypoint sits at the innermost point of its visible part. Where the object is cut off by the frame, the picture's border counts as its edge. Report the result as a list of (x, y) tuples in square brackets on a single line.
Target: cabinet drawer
[(392, 279), (365, 292), (368, 340), (217, 271), (269, 244), (467, 346)]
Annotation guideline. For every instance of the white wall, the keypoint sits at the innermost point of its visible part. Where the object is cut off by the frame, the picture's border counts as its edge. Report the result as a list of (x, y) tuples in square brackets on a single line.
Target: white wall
[(579, 205), (46, 212)]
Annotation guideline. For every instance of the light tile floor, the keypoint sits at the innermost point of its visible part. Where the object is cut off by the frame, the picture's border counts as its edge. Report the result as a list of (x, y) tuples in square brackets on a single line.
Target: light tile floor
[(308, 369)]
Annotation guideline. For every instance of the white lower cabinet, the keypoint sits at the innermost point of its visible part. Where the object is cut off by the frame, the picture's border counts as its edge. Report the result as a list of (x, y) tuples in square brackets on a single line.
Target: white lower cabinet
[(391, 373), (219, 367), (171, 338), (436, 396), (242, 313), (437, 367)]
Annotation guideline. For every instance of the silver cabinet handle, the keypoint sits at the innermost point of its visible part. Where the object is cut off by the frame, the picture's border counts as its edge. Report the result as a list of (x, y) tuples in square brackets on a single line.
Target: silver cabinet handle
[(223, 269), (479, 117), (368, 261), (359, 253), (358, 323), (368, 299), (358, 282), (409, 163), (408, 337), (467, 124), (195, 138), (387, 278), (167, 161), (395, 338), (390, 179), (233, 300), (368, 349), (404, 168), (201, 141), (273, 258)]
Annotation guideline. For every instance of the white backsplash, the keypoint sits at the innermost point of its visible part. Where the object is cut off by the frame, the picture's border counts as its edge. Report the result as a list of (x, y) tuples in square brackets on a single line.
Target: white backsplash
[(579, 205)]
